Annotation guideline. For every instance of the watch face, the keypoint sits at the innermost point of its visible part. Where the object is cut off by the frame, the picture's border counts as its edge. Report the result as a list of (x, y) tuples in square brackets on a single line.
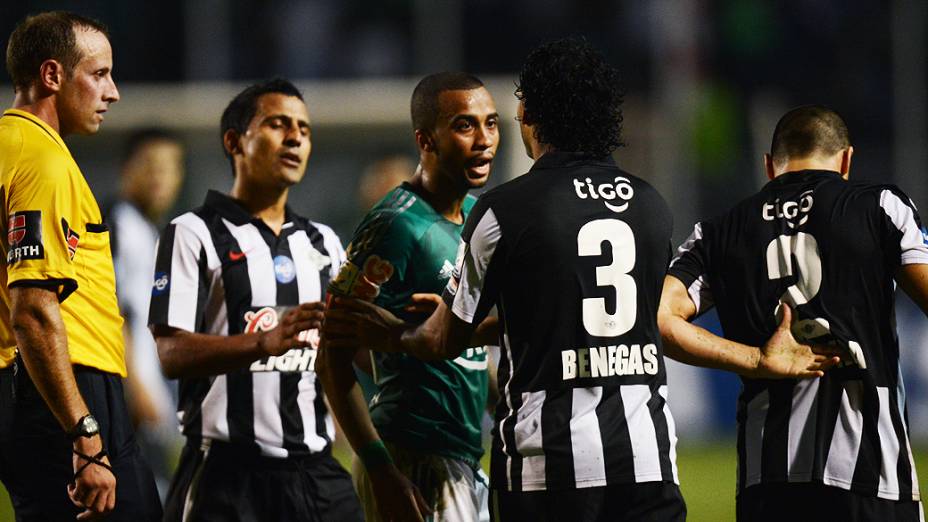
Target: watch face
[(90, 426)]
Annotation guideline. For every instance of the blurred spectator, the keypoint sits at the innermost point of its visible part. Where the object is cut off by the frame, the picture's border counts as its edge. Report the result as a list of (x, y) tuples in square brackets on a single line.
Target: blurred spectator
[(151, 174), (382, 176)]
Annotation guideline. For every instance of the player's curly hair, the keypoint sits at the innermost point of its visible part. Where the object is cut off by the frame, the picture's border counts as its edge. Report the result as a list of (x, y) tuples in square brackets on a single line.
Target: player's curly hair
[(572, 97)]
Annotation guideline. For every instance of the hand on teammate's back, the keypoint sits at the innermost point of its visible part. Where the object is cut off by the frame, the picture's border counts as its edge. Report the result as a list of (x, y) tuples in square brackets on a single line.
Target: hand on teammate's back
[(398, 499), (353, 324), (286, 334), (783, 357), (94, 488)]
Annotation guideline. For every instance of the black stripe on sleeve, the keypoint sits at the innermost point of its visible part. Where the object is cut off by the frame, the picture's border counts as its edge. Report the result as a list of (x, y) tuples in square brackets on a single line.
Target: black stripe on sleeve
[(161, 299)]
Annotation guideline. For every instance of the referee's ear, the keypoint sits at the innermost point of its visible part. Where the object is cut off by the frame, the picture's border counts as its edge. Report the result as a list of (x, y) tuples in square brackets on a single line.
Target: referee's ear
[(230, 141)]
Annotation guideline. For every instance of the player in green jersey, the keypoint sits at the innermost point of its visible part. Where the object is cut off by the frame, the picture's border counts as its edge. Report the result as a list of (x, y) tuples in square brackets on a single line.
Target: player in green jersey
[(427, 412)]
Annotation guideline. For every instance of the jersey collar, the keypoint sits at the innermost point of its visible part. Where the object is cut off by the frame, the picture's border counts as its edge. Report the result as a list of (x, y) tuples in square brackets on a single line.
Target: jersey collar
[(559, 159), (803, 175), (52, 133), (232, 210)]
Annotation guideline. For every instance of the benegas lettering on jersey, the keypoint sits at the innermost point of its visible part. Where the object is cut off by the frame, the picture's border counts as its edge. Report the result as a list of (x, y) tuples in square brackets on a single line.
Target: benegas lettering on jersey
[(609, 361), (297, 359), (620, 188), (24, 236), (796, 213)]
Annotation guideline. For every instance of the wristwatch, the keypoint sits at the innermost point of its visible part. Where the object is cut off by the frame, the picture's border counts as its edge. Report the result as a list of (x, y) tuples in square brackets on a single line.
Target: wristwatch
[(87, 427)]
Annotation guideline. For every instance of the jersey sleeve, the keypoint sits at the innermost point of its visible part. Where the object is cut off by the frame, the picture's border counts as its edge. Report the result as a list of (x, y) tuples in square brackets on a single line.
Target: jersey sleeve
[(180, 282), (43, 232), (691, 266), (475, 283), (905, 231), (376, 260)]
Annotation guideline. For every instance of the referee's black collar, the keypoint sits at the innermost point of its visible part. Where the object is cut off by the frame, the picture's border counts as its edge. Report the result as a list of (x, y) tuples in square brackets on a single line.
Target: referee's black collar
[(803, 175), (556, 159), (229, 208)]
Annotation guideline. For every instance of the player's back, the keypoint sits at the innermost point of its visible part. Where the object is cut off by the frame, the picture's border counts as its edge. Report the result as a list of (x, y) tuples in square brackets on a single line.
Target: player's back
[(829, 248), (582, 253)]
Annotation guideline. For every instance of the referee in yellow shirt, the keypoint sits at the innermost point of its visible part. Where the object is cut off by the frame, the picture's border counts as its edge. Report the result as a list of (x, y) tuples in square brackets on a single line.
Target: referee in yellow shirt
[(66, 445)]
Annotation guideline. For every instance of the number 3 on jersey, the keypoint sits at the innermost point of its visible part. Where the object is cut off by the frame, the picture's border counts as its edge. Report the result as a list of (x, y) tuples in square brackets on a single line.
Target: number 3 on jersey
[(596, 320)]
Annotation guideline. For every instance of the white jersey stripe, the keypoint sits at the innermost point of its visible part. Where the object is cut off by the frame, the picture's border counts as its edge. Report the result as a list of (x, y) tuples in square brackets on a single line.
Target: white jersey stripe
[(474, 264), (585, 438), (190, 233), (213, 410), (269, 430), (914, 243), (528, 435), (701, 295), (641, 431), (889, 448), (845, 442), (754, 434), (671, 433), (306, 396), (801, 447), (303, 255), (507, 396)]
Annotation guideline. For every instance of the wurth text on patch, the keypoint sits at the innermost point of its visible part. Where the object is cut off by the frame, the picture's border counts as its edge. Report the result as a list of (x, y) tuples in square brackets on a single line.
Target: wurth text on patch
[(24, 235)]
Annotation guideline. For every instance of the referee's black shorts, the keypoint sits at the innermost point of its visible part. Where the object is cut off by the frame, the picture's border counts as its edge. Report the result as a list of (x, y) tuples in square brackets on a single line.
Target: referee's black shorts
[(35, 454), (645, 502), (218, 481), (780, 501)]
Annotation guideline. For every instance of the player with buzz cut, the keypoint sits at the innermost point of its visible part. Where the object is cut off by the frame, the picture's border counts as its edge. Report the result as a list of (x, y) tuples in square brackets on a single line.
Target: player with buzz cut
[(424, 423), (832, 249)]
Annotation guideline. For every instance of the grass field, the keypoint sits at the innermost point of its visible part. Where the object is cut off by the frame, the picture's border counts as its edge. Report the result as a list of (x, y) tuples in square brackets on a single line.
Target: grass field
[(707, 478)]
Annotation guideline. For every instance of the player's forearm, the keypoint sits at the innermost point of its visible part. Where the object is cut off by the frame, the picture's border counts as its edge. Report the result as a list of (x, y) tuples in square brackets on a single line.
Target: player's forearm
[(340, 384), (690, 344), (188, 354), (42, 341)]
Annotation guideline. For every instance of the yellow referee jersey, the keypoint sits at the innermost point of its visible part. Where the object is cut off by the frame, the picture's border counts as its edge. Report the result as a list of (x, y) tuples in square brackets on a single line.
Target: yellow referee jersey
[(54, 237)]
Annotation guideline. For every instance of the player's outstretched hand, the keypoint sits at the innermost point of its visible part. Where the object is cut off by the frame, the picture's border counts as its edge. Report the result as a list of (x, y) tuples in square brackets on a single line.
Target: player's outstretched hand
[(94, 487), (398, 499), (352, 323), (286, 334), (423, 303), (784, 357)]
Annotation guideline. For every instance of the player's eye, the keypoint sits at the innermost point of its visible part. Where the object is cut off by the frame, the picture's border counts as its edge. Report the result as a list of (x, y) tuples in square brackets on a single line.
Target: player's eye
[(463, 126), (492, 123)]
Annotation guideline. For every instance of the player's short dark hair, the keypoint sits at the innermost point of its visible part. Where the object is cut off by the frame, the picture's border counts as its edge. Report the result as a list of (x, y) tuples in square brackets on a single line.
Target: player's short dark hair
[(572, 97), (423, 106), (238, 114), (46, 36), (141, 137), (807, 130)]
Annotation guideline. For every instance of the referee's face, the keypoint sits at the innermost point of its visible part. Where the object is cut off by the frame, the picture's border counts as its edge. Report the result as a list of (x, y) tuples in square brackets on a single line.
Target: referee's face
[(466, 136), (88, 89), (276, 146)]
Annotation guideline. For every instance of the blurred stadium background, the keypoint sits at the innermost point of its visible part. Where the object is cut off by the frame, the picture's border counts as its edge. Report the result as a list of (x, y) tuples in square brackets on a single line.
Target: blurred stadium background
[(706, 82)]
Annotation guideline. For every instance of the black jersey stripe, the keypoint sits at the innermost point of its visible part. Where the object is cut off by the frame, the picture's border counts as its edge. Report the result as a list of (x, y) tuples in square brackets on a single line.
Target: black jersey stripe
[(614, 428), (831, 388), (320, 410), (661, 431), (774, 449), (869, 458), (555, 439)]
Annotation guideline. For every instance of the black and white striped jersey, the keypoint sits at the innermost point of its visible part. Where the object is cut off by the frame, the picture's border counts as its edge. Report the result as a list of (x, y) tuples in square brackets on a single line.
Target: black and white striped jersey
[(829, 248), (573, 254), (220, 271)]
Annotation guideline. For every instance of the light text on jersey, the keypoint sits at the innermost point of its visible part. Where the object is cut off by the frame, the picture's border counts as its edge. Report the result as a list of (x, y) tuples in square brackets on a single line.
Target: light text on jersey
[(620, 188), (789, 210), (609, 361)]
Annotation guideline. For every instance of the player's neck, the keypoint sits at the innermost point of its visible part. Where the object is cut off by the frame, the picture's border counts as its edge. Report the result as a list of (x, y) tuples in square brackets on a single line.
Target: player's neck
[(440, 193), (264, 203), (43, 108)]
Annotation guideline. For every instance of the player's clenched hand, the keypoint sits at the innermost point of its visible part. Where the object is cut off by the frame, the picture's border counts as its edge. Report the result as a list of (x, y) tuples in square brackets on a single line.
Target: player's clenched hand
[(94, 488), (352, 323), (398, 499), (785, 357), (286, 334), (423, 303)]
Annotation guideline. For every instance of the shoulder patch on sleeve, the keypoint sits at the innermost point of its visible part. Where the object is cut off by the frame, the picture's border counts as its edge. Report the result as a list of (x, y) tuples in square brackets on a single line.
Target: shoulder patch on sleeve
[(25, 236), (71, 237)]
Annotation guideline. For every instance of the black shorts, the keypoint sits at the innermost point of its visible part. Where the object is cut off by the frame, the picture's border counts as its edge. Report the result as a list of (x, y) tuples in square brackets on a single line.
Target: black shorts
[(810, 501), (645, 502), (217, 481), (35, 453)]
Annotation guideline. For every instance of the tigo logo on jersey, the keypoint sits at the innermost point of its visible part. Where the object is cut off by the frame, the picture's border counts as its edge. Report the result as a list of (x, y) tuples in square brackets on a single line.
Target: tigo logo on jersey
[(621, 188), (25, 236), (284, 269), (796, 213), (161, 283)]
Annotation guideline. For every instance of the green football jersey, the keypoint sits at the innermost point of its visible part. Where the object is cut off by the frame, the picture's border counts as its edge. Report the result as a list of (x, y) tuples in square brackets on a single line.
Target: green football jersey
[(403, 247)]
